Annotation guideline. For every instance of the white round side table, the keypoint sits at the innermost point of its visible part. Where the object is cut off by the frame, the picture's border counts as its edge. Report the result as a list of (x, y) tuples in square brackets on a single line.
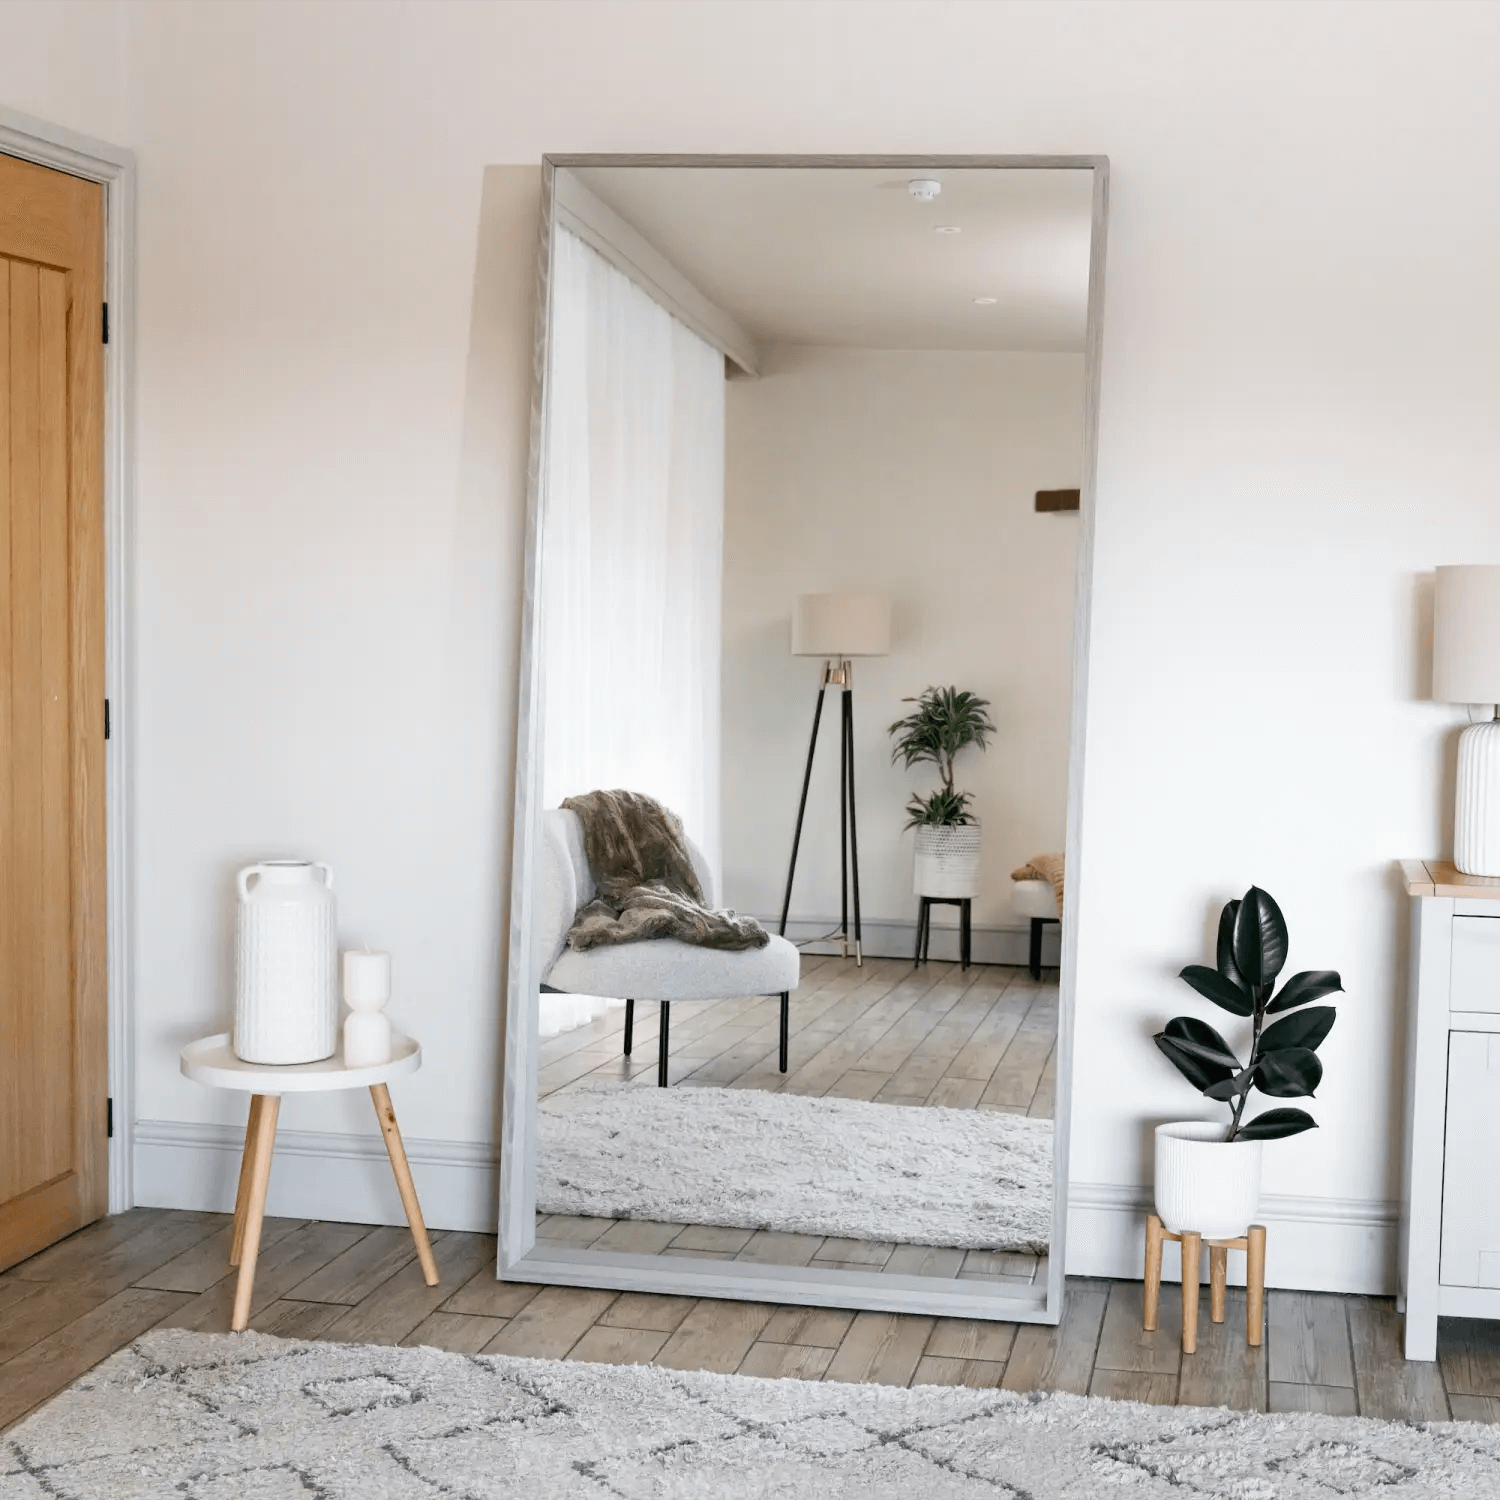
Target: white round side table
[(212, 1061)]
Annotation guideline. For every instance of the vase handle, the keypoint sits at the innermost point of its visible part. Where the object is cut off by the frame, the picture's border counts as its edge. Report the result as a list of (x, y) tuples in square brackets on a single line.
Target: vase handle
[(242, 880), (327, 872)]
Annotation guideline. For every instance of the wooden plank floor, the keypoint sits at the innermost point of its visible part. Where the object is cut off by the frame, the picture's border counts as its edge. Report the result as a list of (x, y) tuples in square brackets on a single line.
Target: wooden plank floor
[(71, 1306), (978, 1038)]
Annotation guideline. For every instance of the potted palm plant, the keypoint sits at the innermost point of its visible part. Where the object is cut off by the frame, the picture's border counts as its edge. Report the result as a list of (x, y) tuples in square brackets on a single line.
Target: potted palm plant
[(1208, 1174), (944, 721)]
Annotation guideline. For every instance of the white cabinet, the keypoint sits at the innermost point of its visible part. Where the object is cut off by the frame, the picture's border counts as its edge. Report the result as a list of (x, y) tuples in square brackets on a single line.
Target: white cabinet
[(1471, 1161), (1450, 1210)]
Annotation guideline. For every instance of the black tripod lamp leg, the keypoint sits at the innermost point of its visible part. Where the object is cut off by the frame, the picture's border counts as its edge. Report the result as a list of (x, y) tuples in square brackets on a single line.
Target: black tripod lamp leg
[(791, 869), (786, 1006), (661, 1050), (1036, 948), (629, 1025), (859, 946)]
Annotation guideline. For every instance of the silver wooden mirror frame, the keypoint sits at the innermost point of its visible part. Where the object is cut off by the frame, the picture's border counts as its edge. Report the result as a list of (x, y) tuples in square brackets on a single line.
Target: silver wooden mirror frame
[(520, 1257)]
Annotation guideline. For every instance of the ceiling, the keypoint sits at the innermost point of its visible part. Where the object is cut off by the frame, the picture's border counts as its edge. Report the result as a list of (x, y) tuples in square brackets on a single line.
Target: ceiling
[(846, 256)]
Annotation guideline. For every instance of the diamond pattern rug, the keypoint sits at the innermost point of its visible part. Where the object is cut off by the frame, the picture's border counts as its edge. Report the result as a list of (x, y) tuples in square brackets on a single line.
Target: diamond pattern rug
[(247, 1417)]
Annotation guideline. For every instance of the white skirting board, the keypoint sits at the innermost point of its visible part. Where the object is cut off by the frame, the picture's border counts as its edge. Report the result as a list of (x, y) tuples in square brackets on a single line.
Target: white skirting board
[(887, 938), (1312, 1244), (318, 1175)]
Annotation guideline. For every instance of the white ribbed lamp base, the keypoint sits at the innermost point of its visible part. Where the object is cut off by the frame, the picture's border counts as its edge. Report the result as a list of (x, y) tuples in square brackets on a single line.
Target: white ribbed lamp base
[(1476, 813)]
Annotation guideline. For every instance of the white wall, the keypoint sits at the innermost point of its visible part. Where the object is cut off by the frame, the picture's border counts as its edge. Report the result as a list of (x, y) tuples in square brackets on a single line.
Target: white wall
[(1298, 420), (910, 474)]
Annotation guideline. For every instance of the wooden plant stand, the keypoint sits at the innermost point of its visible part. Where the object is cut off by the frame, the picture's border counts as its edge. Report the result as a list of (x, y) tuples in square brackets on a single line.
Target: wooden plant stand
[(1252, 1242)]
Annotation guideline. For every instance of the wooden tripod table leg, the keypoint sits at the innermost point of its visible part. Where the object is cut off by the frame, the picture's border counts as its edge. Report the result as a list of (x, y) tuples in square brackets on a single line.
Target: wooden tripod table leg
[(242, 1197), (397, 1153), (261, 1145)]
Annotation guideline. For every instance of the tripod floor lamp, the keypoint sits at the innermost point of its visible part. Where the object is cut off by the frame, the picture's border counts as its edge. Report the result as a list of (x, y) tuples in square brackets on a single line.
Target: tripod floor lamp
[(837, 627)]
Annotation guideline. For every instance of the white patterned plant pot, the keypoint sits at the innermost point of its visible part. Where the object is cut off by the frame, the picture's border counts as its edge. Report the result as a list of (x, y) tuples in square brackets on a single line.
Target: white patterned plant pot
[(947, 862), (286, 957), (1476, 813), (1205, 1184)]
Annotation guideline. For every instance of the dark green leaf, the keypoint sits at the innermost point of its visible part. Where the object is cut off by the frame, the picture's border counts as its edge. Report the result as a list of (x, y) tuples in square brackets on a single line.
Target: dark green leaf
[(1227, 966), (1310, 984), (1199, 1073), (1276, 1123), (1232, 1088), (1305, 1029), (1201, 1039), (1260, 937), (1289, 1073), (1214, 986)]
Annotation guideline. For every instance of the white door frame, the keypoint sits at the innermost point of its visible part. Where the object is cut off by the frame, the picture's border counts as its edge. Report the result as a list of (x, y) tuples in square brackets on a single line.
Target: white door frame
[(114, 167)]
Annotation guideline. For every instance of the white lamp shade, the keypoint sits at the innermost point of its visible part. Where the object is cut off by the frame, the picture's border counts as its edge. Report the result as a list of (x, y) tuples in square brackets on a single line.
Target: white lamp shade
[(1466, 635), (839, 625)]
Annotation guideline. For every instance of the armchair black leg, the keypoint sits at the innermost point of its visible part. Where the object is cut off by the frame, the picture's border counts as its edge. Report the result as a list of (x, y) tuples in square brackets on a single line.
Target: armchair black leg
[(786, 1005), (629, 1025), (661, 1054), (1036, 947)]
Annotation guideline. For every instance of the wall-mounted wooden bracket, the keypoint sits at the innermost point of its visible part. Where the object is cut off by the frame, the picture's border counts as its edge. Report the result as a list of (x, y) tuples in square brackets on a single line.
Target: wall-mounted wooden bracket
[(1057, 499)]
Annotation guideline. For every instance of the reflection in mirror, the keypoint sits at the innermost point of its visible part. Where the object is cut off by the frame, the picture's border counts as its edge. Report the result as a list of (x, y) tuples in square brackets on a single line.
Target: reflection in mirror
[(804, 637)]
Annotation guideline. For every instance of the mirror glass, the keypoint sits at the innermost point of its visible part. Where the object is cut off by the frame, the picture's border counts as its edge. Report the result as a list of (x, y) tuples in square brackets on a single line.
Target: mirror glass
[(806, 542)]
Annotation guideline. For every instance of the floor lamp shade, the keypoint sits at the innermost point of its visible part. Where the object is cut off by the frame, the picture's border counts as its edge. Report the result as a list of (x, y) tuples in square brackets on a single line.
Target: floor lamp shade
[(836, 626), (1466, 669)]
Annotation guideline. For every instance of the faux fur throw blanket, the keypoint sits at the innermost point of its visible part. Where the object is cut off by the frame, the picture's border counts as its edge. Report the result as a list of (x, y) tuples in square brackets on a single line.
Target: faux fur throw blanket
[(1043, 867), (647, 885)]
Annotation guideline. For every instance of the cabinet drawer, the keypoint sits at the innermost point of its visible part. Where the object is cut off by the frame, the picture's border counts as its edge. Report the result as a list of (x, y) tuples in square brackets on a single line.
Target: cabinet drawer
[(1471, 1205), (1475, 983)]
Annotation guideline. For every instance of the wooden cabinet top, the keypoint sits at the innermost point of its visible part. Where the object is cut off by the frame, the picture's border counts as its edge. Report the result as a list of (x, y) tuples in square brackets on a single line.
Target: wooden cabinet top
[(1440, 877)]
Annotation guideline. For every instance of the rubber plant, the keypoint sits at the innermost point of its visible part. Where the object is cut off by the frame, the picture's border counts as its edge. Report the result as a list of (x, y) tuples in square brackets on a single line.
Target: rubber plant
[(945, 721), (1284, 1061)]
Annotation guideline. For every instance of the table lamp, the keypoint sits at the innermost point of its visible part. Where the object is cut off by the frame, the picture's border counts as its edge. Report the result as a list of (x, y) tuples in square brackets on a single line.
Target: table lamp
[(837, 627), (1466, 669)]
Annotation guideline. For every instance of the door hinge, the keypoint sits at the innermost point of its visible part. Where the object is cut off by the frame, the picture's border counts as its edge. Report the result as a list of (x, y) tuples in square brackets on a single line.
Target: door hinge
[(109, 1118), (106, 718), (106, 322)]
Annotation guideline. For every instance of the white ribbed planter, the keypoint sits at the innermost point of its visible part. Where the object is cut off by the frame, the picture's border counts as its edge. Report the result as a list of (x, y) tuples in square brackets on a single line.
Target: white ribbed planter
[(1476, 813), (947, 860), (1202, 1183), (286, 955)]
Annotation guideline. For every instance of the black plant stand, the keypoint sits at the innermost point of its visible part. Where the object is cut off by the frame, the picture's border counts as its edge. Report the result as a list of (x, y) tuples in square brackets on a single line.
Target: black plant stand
[(924, 927), (835, 674)]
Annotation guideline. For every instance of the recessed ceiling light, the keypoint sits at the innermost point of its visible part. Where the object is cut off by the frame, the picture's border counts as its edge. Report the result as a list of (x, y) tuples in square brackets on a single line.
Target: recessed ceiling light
[(985, 301), (948, 229)]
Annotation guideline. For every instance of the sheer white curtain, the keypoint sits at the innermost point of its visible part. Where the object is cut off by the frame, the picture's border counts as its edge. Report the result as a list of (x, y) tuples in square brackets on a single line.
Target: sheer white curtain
[(632, 548)]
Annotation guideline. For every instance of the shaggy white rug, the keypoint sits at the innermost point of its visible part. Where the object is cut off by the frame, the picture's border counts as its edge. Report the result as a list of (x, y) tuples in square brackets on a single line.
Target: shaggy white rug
[(749, 1159), (246, 1417)]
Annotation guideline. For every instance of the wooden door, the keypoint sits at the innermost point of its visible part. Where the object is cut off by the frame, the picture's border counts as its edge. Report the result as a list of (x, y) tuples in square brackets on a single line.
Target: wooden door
[(53, 1024)]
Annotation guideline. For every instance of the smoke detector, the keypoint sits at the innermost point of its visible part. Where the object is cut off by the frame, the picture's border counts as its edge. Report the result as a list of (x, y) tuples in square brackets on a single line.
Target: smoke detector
[(924, 189)]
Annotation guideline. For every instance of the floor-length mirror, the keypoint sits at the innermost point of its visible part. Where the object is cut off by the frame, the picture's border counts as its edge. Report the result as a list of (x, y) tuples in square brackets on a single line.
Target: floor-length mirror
[(809, 558)]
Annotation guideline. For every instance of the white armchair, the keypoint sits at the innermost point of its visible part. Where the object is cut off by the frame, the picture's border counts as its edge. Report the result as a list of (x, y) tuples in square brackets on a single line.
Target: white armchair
[(662, 969)]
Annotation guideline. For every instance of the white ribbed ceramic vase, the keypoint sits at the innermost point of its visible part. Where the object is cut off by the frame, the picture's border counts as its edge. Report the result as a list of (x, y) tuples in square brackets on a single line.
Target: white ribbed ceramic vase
[(286, 956), (947, 862), (1476, 812), (1202, 1183)]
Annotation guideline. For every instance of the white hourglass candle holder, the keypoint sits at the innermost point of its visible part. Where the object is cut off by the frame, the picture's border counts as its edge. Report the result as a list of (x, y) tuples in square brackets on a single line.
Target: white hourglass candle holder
[(367, 989)]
